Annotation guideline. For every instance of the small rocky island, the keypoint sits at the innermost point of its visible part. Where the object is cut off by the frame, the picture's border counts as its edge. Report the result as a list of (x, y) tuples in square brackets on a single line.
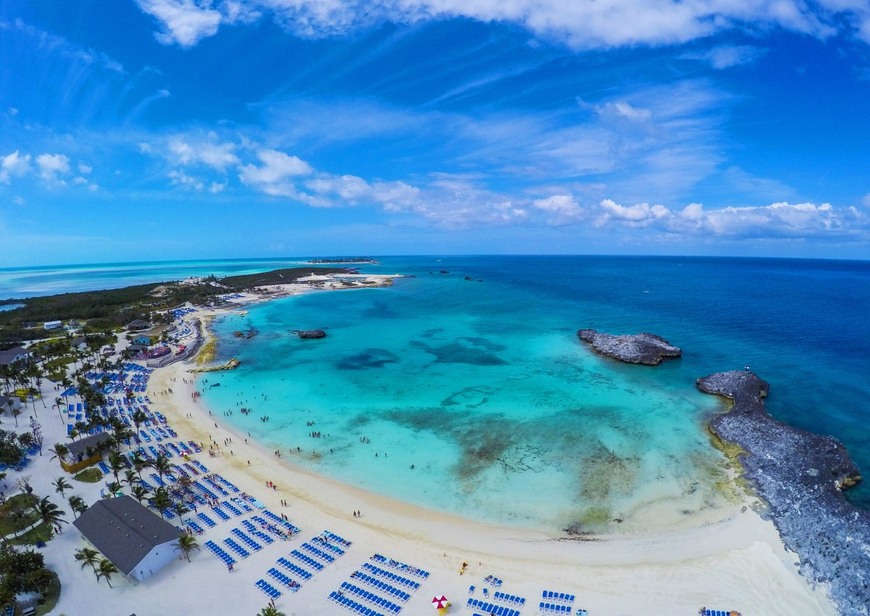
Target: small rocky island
[(647, 349), (310, 334), (801, 476)]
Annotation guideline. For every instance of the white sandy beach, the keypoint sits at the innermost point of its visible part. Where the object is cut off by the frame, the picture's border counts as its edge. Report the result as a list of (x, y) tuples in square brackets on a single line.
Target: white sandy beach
[(737, 563)]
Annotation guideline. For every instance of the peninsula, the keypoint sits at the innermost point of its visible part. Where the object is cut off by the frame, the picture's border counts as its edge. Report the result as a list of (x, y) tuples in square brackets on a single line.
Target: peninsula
[(800, 476)]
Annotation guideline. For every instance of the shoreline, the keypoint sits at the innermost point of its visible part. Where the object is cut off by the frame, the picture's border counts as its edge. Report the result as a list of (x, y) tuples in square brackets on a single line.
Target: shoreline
[(743, 537), (737, 563), (603, 570)]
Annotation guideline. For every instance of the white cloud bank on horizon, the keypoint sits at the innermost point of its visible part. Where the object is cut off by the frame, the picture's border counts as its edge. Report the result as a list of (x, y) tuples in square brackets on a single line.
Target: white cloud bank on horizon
[(454, 201), (792, 220), (582, 24)]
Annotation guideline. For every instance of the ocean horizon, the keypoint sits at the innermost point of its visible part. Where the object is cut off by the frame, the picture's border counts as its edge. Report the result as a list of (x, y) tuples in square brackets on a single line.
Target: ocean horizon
[(476, 378)]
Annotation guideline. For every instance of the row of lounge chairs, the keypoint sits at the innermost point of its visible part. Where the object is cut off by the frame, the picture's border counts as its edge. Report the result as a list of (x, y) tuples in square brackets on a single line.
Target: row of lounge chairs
[(399, 566), (385, 604), (380, 585), (559, 597), (218, 551), (269, 590), (393, 577), (558, 608), (352, 606), (491, 608)]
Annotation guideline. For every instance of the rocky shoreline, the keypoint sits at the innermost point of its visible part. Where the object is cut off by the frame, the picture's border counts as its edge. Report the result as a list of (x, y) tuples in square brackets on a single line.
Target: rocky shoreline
[(801, 476), (646, 349)]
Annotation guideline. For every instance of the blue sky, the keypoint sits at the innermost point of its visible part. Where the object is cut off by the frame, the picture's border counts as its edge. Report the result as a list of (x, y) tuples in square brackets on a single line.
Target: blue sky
[(154, 129)]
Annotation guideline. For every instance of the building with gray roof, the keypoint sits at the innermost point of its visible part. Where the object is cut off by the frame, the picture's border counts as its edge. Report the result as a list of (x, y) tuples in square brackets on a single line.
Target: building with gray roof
[(138, 542)]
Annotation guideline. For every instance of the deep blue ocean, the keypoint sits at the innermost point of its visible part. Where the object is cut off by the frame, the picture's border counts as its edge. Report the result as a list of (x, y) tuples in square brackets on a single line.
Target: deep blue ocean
[(475, 377)]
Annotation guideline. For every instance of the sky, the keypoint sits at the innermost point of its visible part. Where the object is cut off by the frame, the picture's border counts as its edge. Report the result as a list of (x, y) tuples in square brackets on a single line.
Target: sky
[(138, 130)]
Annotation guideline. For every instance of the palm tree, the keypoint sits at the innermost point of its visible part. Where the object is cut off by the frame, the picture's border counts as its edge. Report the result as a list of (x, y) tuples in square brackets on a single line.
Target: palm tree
[(58, 451), (186, 544), (106, 570), (161, 500), (139, 417), (116, 463), (270, 610), (87, 556), (140, 462), (139, 492), (130, 476), (61, 485), (77, 504), (114, 487), (180, 509), (162, 465), (50, 514)]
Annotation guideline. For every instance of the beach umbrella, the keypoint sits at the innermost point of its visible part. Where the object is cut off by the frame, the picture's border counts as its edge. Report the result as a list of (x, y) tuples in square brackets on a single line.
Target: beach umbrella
[(439, 602)]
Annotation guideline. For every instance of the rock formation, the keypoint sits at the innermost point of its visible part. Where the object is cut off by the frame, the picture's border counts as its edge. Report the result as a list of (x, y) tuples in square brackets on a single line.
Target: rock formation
[(647, 349), (801, 476), (307, 334)]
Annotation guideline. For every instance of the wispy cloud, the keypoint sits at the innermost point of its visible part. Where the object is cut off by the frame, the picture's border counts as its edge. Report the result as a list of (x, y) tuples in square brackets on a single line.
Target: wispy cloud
[(727, 56), (582, 25)]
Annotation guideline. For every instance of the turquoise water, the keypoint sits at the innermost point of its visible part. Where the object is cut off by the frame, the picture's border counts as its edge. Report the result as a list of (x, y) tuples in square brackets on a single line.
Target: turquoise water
[(484, 388), (505, 416)]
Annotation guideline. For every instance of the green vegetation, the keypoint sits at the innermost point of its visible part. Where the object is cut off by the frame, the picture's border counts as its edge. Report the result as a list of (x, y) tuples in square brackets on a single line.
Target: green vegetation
[(24, 571), (89, 475), (50, 597), (17, 513), (113, 308), (40, 533)]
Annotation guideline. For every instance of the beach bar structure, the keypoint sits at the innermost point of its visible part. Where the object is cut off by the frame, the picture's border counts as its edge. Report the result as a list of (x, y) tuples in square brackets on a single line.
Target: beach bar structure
[(137, 541), (84, 452)]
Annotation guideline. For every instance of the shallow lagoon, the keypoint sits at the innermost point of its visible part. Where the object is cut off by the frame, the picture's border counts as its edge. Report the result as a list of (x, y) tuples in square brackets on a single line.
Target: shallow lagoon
[(474, 398)]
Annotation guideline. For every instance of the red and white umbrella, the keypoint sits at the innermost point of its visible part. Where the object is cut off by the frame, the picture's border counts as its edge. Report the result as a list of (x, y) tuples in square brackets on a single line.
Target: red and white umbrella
[(439, 603)]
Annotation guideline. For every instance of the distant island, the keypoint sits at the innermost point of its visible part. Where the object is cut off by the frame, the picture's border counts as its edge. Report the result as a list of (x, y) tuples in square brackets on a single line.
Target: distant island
[(99, 311), (367, 260)]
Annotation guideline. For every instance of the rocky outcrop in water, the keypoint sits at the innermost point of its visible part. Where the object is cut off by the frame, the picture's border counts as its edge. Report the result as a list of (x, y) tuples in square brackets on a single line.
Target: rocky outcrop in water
[(310, 334), (801, 476), (647, 349)]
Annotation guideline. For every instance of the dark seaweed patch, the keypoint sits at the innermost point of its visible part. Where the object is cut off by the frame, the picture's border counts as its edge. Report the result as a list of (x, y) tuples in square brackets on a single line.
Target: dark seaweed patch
[(457, 353), (370, 358)]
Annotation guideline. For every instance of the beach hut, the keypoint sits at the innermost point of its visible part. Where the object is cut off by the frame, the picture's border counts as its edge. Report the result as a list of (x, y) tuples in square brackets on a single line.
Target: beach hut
[(138, 542), (85, 452)]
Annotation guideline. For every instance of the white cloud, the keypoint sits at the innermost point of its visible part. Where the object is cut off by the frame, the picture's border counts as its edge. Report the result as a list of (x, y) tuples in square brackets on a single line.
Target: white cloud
[(13, 165), (179, 178), (51, 167), (84, 169), (185, 22), (580, 24), (277, 176), (562, 209), (782, 219), (638, 215), (207, 150), (866, 200)]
